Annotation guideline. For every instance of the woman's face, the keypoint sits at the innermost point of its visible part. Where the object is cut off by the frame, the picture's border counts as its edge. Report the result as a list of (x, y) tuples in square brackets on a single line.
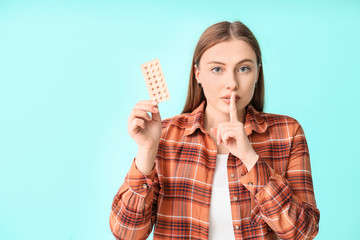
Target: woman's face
[(225, 68)]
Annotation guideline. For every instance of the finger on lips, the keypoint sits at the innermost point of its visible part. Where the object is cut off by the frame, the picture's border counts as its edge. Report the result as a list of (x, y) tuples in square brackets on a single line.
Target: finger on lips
[(233, 114), (220, 132)]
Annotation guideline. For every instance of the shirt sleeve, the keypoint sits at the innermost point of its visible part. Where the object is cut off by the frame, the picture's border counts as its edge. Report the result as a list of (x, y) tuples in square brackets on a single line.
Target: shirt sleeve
[(286, 202), (133, 209)]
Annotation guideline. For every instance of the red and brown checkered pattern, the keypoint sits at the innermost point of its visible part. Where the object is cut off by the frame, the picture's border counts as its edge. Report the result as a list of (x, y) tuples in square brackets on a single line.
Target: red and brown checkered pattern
[(275, 199)]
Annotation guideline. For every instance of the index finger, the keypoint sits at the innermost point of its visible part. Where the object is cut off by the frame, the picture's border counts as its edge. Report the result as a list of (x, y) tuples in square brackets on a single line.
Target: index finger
[(233, 111), (152, 102)]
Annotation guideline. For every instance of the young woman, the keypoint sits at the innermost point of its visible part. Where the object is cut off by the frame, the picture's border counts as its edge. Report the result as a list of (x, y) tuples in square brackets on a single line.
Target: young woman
[(223, 169)]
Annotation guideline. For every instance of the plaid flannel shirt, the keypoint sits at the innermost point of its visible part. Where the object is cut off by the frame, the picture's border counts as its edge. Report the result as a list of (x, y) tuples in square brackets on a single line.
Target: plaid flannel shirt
[(275, 199)]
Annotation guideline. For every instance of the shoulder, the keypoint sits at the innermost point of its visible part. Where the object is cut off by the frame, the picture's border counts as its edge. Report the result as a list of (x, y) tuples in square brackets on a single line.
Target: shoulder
[(273, 119), (175, 128), (276, 121), (179, 121)]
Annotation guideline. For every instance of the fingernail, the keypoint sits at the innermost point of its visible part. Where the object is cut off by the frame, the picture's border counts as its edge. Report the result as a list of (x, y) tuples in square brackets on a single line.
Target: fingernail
[(154, 103), (156, 109)]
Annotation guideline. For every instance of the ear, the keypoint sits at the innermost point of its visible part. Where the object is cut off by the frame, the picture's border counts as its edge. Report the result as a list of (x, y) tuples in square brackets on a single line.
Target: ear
[(259, 68), (197, 73), (258, 74)]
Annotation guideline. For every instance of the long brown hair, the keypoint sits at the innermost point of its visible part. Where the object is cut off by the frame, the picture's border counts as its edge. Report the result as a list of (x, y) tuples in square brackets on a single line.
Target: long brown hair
[(217, 33)]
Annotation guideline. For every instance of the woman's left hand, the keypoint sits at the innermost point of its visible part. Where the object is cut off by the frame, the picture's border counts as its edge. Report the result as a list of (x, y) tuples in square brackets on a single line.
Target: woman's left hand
[(234, 137)]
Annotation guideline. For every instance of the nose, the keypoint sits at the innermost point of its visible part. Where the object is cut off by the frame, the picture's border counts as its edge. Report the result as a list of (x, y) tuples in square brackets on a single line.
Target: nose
[(232, 82)]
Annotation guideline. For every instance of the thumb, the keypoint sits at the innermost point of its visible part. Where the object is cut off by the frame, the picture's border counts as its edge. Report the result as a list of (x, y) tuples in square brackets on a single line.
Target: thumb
[(156, 116), (213, 131)]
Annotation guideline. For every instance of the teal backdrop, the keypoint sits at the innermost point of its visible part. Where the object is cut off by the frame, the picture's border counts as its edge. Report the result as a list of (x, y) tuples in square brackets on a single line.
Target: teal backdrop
[(70, 75)]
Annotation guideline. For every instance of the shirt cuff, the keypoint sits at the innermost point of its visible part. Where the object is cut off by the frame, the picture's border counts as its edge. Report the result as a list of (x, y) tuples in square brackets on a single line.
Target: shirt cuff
[(258, 176), (138, 182), (267, 185)]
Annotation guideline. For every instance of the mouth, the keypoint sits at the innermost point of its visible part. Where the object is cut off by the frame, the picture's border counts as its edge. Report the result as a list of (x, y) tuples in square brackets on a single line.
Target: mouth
[(227, 97)]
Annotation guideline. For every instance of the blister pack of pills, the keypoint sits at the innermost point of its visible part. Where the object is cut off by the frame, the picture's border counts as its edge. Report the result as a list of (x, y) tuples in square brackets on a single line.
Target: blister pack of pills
[(155, 81)]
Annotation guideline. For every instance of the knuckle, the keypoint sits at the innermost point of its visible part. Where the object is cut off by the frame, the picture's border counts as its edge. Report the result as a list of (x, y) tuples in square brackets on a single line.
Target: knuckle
[(140, 121), (134, 111), (150, 108), (131, 117)]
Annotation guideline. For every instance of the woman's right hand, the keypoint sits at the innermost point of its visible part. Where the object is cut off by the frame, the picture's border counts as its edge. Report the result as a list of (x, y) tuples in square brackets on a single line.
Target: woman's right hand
[(145, 130)]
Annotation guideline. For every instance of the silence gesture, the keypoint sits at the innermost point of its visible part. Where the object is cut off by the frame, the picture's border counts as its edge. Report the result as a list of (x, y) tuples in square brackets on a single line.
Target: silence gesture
[(232, 134)]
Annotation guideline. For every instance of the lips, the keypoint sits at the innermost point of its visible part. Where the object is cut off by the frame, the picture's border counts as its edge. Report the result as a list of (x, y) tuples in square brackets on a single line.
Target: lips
[(228, 97)]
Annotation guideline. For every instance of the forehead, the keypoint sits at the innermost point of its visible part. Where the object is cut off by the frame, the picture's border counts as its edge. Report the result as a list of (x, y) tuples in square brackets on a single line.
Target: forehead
[(229, 52)]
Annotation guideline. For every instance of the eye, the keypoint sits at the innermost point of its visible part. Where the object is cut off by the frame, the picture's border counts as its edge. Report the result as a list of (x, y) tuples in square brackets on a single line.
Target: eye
[(244, 69), (216, 70)]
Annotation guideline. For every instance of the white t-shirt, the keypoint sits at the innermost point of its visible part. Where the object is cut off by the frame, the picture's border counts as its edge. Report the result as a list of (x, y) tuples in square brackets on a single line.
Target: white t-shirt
[(220, 225)]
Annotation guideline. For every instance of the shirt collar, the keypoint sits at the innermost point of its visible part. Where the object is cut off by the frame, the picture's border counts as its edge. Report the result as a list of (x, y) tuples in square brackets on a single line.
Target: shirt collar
[(254, 121)]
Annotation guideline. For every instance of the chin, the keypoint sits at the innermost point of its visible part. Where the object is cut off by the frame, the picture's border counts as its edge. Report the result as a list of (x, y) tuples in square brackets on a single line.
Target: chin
[(224, 108)]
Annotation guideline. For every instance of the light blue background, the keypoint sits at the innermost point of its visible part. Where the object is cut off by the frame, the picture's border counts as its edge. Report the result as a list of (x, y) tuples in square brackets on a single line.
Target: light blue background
[(70, 75)]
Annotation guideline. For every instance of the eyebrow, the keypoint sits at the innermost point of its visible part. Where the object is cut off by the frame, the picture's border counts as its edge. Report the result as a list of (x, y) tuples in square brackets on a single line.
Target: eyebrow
[(244, 60)]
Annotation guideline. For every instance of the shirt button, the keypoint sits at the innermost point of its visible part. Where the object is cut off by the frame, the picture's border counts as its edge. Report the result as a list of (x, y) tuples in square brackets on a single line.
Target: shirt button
[(232, 175), (144, 185), (235, 198), (237, 227), (250, 184)]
